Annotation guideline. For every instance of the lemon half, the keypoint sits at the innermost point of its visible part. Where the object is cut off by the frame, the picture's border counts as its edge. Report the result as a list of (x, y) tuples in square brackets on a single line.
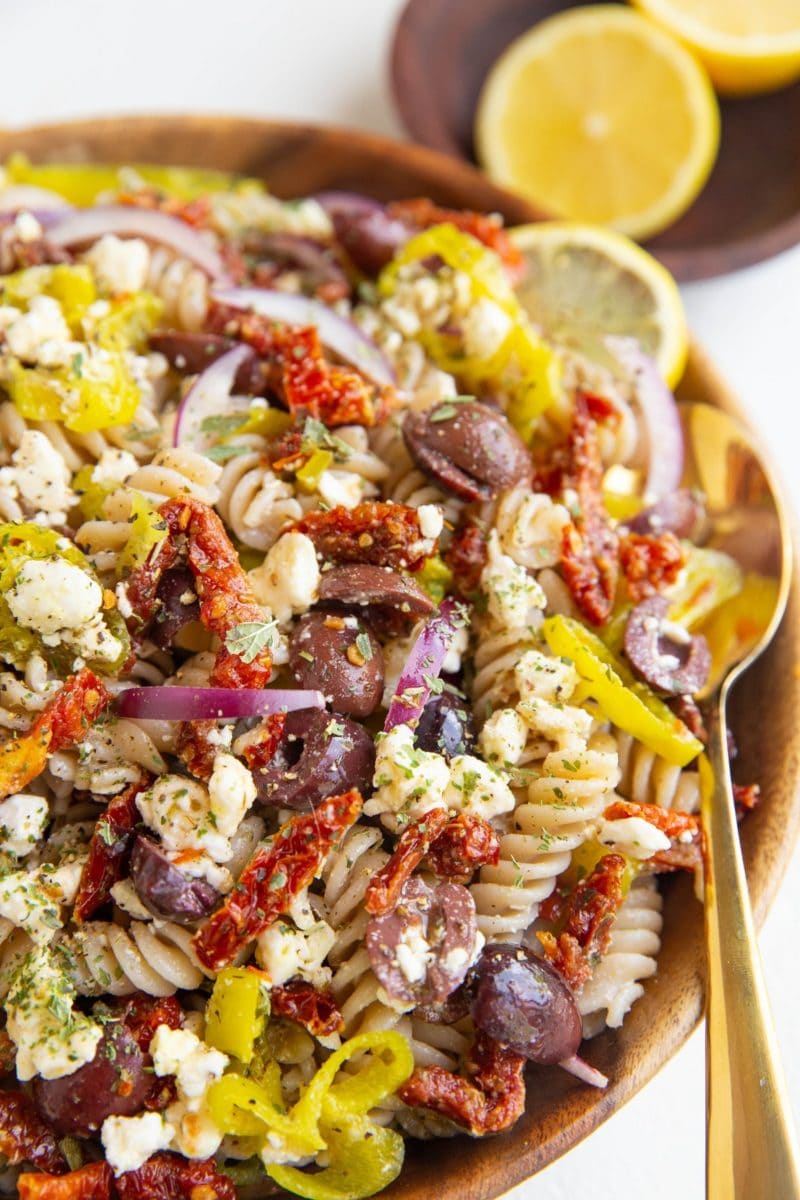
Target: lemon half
[(598, 115)]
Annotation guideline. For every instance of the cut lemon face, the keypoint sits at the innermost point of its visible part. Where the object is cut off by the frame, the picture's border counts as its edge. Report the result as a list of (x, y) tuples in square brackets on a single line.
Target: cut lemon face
[(584, 283), (597, 115), (746, 45)]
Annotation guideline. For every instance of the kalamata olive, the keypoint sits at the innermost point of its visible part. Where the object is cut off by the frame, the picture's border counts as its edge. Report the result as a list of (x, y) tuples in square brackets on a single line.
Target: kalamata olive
[(521, 1000), (191, 353), (114, 1083), (467, 447), (663, 654), (422, 949), (165, 890), (680, 513), (339, 655), (178, 605), (320, 755), (365, 229), (445, 726), (378, 587)]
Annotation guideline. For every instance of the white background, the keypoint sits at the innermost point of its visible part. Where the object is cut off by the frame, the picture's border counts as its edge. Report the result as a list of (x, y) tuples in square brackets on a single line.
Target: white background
[(327, 61)]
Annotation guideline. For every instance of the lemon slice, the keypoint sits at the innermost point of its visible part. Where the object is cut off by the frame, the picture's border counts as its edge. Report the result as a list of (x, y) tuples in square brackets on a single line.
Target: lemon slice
[(584, 283), (747, 45), (598, 115)]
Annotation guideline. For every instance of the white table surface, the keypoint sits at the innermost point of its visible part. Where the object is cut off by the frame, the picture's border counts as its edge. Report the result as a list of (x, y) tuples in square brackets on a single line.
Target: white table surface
[(326, 61)]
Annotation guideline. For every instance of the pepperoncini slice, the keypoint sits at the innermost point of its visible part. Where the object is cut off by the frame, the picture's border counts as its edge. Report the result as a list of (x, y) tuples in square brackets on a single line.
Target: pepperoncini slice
[(236, 1012), (87, 395), (148, 530), (530, 369), (707, 579), (81, 184), (71, 284), (586, 857), (435, 578), (309, 475), (23, 541), (129, 322), (625, 701), (363, 1159), (91, 494)]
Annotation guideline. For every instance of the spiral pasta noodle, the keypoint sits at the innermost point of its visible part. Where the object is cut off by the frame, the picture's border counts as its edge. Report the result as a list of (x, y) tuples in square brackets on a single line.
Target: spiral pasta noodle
[(154, 957), (649, 779)]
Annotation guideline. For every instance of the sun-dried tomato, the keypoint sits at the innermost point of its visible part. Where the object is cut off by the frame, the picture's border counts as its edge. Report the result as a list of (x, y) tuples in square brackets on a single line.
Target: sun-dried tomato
[(421, 213), (650, 562), (25, 1137), (684, 830), (196, 748), (304, 1004), (376, 532), (226, 597), (590, 911), (64, 721), (491, 1100), (466, 843), (687, 710), (745, 796), (92, 1182), (285, 452), (385, 886), (197, 212), (141, 1015), (267, 736), (466, 556), (109, 849), (169, 1177), (273, 877)]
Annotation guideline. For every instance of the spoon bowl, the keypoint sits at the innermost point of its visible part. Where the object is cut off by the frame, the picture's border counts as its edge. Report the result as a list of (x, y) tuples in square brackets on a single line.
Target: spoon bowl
[(750, 1145)]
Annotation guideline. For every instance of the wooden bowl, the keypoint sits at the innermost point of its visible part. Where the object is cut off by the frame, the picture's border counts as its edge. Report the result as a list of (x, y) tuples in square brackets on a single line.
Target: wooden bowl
[(297, 159), (750, 207)]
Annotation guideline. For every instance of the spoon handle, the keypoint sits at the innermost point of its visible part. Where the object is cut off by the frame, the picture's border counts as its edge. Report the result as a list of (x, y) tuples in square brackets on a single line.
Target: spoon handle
[(750, 1145)]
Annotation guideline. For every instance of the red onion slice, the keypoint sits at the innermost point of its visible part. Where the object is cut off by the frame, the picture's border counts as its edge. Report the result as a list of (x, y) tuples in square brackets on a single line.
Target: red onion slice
[(424, 664), (26, 197), (215, 704), (89, 224), (208, 396), (335, 332), (582, 1070), (663, 432)]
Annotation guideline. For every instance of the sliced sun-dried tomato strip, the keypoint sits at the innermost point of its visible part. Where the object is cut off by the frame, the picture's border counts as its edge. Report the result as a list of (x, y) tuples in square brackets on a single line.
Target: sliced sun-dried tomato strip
[(589, 911), (684, 830), (422, 213), (385, 886), (60, 724), (466, 843), (273, 877), (268, 736), (168, 1177), (376, 532), (492, 1100), (109, 848), (142, 1015), (301, 1002), (92, 1182), (25, 1137), (466, 556), (196, 748), (650, 562)]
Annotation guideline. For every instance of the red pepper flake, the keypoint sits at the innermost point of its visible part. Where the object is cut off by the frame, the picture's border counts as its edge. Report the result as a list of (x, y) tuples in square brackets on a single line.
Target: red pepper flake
[(59, 725), (650, 562), (590, 911), (384, 888), (465, 844), (491, 1100), (109, 849), (169, 1177), (466, 556), (92, 1182), (273, 877), (25, 1137), (376, 532), (422, 213), (304, 1004)]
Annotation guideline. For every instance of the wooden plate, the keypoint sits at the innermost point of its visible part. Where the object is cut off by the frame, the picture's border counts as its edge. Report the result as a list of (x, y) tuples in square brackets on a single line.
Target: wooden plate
[(748, 210), (297, 159)]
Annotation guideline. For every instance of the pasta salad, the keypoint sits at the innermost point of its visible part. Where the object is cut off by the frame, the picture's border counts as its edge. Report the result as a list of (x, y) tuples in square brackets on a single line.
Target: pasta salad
[(351, 635)]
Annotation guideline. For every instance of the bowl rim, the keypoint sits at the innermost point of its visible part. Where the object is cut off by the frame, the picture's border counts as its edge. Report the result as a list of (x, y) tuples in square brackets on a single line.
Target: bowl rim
[(687, 1012)]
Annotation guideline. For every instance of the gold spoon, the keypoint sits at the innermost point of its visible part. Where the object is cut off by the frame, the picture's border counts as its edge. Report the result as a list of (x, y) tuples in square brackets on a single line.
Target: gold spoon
[(751, 1152)]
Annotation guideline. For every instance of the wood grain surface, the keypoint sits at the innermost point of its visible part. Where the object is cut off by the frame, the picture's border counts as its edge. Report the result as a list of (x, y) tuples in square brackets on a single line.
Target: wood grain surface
[(750, 207), (297, 159)]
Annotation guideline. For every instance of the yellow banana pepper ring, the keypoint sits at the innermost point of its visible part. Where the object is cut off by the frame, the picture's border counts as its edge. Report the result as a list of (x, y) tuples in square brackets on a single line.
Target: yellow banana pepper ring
[(627, 703), (236, 1012), (81, 184), (364, 1159)]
